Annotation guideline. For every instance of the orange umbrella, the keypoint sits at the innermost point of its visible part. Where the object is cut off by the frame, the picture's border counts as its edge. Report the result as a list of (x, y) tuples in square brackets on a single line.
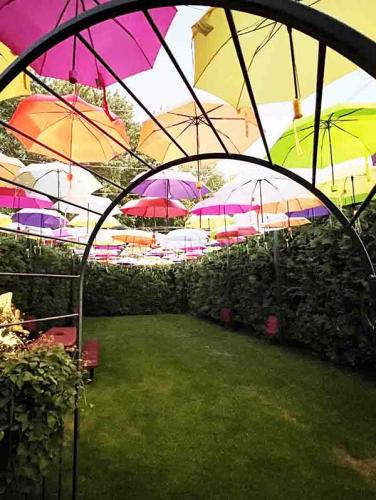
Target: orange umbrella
[(135, 237), (53, 123)]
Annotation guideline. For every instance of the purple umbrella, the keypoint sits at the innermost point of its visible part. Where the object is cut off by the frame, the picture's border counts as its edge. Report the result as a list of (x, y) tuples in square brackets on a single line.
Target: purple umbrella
[(17, 198), (320, 211), (173, 185), (127, 43), (213, 206), (39, 218)]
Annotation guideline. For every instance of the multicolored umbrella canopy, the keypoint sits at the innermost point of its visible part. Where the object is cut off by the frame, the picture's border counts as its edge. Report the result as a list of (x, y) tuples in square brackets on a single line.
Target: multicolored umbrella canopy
[(90, 220), (266, 48), (208, 222), (160, 208), (347, 131), (58, 179), (90, 202), (135, 237), (171, 184), (18, 198), (274, 195), (219, 206), (50, 121), (9, 168), (188, 126), (20, 27), (39, 218), (21, 84)]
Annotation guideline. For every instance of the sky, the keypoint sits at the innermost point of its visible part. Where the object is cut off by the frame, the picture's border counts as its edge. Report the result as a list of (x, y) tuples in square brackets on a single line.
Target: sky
[(161, 89)]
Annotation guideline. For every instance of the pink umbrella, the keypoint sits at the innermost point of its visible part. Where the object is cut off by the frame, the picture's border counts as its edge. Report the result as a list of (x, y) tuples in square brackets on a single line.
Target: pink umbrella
[(16, 198), (214, 206), (159, 208), (127, 43)]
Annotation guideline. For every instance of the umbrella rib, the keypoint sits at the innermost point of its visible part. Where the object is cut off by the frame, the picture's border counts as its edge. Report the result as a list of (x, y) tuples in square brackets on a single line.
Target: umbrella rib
[(159, 131), (95, 137), (352, 135), (58, 96), (182, 75)]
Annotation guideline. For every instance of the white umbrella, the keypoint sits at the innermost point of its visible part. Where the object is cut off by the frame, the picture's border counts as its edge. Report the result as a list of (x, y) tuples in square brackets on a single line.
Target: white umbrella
[(185, 239), (96, 203), (58, 179), (9, 168)]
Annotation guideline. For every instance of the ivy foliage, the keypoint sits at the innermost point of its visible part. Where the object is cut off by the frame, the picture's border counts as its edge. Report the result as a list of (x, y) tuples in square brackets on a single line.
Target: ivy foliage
[(37, 389)]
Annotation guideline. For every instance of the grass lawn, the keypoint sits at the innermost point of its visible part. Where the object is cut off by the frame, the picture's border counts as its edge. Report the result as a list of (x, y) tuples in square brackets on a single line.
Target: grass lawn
[(183, 409)]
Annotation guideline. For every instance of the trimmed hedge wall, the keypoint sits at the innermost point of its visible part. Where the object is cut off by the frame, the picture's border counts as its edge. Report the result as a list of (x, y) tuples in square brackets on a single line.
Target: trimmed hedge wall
[(324, 294)]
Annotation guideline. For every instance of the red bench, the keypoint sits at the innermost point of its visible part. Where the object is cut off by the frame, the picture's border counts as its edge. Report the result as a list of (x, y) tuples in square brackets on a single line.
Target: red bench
[(90, 356)]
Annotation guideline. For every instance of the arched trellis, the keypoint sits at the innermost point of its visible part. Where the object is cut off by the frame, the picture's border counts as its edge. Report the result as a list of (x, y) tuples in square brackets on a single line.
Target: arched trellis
[(326, 30)]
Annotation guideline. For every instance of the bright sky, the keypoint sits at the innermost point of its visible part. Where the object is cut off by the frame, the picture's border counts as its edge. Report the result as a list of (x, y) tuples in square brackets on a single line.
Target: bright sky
[(161, 89)]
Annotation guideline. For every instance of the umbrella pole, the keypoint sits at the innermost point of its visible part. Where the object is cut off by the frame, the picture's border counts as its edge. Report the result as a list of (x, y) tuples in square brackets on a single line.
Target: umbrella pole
[(331, 155)]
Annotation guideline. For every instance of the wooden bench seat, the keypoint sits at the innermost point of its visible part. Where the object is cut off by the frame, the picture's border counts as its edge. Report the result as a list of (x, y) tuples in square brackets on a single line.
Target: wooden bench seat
[(90, 356)]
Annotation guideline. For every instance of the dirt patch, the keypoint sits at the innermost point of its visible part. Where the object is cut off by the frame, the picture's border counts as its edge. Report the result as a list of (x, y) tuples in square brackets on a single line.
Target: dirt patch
[(288, 416), (366, 467)]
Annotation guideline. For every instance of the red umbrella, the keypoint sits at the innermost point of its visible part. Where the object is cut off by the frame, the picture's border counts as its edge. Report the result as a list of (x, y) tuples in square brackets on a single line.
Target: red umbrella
[(16, 198), (160, 208), (235, 232)]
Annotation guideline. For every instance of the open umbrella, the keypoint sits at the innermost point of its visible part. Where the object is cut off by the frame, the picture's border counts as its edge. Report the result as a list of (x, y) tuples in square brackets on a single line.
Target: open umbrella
[(185, 239), (284, 222), (19, 85), (188, 126), (17, 198), (347, 131), (90, 220), (5, 220), (50, 121), (234, 231), (348, 190), (320, 211), (219, 206), (41, 218), (160, 208), (58, 179), (171, 184), (208, 222), (266, 46), (90, 202), (9, 168), (135, 237), (21, 26)]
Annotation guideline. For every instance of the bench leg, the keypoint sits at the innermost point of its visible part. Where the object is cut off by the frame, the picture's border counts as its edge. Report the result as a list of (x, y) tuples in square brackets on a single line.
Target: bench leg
[(91, 373)]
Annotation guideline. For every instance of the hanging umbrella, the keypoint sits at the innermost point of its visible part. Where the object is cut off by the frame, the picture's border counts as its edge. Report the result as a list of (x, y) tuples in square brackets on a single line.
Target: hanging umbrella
[(216, 206), (185, 239), (320, 211), (5, 220), (208, 222), (131, 34), (160, 208), (41, 218), (17, 198), (19, 85), (50, 121), (90, 202), (234, 231), (171, 184), (266, 47), (284, 222), (9, 168), (348, 190), (90, 220), (347, 131), (188, 126), (58, 179), (275, 195), (135, 237)]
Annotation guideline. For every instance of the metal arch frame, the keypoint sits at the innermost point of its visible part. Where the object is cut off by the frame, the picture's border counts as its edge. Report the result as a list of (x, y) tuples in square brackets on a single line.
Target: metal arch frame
[(326, 30)]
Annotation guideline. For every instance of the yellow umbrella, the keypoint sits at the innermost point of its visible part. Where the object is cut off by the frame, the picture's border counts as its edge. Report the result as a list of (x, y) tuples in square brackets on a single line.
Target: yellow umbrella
[(20, 85), (9, 168), (285, 223), (266, 48), (5, 220), (209, 222), (188, 126), (90, 220), (350, 189)]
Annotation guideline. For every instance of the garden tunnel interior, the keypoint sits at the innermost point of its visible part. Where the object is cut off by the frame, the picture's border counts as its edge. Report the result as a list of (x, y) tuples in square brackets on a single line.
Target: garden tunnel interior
[(328, 33)]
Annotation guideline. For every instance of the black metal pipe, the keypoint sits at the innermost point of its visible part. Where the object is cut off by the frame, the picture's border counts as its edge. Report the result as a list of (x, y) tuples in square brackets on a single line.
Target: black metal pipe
[(363, 206), (86, 118), (184, 78), (319, 89), (53, 198), (38, 320), (247, 81), (129, 92)]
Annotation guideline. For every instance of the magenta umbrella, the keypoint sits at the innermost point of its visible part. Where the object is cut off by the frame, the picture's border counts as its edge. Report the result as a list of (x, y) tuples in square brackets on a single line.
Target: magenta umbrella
[(212, 206), (17, 198), (127, 43), (171, 184), (159, 208)]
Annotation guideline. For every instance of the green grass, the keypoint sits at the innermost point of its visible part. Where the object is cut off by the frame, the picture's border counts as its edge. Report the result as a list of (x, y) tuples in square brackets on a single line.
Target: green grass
[(183, 409)]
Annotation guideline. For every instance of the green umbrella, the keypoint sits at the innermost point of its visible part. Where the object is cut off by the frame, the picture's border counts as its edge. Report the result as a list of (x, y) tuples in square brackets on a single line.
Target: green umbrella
[(347, 131)]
